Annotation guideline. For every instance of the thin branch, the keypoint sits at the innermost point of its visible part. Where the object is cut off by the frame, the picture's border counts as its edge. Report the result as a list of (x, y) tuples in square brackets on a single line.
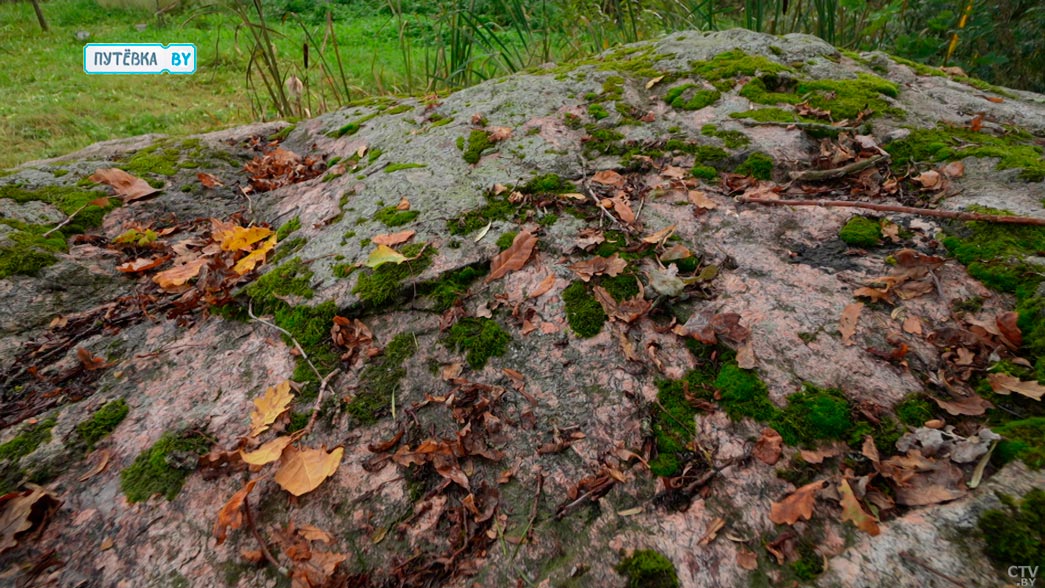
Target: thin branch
[(322, 380), (261, 542), (838, 172), (962, 216), (67, 220), (907, 555)]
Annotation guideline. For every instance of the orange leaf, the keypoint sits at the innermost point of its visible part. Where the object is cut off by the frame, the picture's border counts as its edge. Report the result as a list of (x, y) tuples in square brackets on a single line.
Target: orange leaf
[(797, 505), (176, 276), (231, 514), (242, 238), (208, 180), (976, 123), (513, 258), (545, 285), (954, 169), (124, 184), (142, 264), (393, 239), (852, 511), (404, 204), (912, 325), (303, 470), (269, 452), (248, 263), (847, 324), (89, 361), (768, 447), (608, 177), (267, 409), (701, 200)]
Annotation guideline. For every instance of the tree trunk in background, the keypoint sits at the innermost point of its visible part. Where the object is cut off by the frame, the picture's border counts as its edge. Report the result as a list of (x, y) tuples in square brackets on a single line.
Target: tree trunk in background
[(40, 16)]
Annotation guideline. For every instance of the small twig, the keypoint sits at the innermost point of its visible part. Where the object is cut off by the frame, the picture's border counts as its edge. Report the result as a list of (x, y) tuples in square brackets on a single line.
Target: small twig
[(67, 220), (533, 513), (798, 125), (925, 566), (257, 536), (963, 216), (838, 172), (322, 380)]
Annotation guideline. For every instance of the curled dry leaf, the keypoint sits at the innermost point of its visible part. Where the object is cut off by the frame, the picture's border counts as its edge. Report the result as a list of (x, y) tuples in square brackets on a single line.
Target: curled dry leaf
[(231, 514), (89, 361), (597, 266), (608, 177), (659, 236), (126, 186), (954, 169), (653, 82), (972, 405), (930, 180), (1008, 328), (22, 511), (768, 447), (267, 409), (103, 460), (142, 264), (1005, 384), (847, 323), (303, 470), (701, 200), (854, 512), (393, 239), (797, 505), (209, 180), (513, 258), (404, 204)]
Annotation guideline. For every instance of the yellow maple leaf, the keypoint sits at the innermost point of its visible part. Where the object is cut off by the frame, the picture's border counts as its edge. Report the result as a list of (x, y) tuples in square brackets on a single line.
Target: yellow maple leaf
[(267, 409), (269, 452), (179, 275), (303, 470), (248, 263), (242, 239)]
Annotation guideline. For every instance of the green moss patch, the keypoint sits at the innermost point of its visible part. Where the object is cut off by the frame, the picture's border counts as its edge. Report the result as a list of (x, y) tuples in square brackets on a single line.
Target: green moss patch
[(743, 394), (646, 568), (861, 231), (1015, 535), (479, 338), (596, 111), (758, 165), (287, 228), (293, 278), (673, 420), (394, 167), (471, 221), (477, 142), (914, 410), (104, 420), (691, 97), (390, 216), (381, 286), (770, 115), (1014, 150), (583, 312), (448, 288), (1023, 440), (732, 139), (163, 468), (26, 442), (731, 64), (379, 380), (814, 414), (351, 128), (506, 239)]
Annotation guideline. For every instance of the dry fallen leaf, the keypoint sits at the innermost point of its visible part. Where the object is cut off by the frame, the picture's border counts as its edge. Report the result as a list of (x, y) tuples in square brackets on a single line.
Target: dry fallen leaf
[(659, 236), (653, 82), (596, 266), (21, 511), (747, 559), (179, 275), (142, 264), (513, 258), (854, 512), (89, 361), (545, 285), (242, 238), (268, 452), (231, 514), (930, 180), (954, 169), (912, 325), (303, 470), (269, 406), (968, 406), (608, 177), (797, 505), (1004, 384), (393, 239), (768, 447), (847, 323), (701, 200), (404, 204), (248, 263), (126, 186), (103, 460), (209, 180)]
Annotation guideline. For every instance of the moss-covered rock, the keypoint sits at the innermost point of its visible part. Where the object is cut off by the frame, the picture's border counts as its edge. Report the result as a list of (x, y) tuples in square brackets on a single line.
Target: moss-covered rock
[(758, 165), (480, 339), (1014, 150), (583, 312), (163, 468), (1015, 536), (646, 568), (861, 231), (380, 379), (104, 420)]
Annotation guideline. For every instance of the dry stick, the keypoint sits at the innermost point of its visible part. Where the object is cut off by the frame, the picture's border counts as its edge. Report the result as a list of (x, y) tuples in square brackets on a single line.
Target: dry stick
[(261, 542), (963, 216), (322, 381), (838, 172), (66, 221)]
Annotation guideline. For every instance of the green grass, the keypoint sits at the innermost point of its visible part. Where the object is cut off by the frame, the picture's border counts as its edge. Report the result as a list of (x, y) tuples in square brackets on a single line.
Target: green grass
[(50, 107)]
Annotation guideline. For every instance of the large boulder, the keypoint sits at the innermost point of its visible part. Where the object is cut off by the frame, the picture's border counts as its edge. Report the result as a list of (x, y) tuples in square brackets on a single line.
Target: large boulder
[(608, 392)]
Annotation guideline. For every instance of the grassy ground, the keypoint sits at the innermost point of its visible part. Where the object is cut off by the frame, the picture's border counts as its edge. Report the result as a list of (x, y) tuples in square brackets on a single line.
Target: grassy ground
[(51, 107)]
